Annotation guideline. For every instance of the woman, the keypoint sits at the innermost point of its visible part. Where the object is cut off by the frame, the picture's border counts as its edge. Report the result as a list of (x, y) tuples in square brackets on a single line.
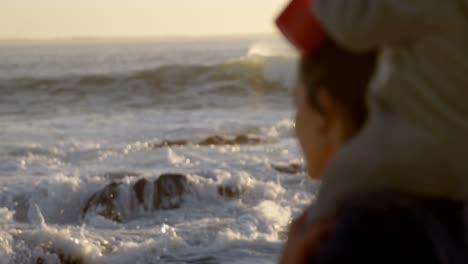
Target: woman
[(372, 227), (374, 217)]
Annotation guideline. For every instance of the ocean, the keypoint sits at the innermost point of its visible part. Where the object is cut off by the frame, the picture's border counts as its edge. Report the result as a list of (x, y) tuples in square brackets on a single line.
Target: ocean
[(76, 116)]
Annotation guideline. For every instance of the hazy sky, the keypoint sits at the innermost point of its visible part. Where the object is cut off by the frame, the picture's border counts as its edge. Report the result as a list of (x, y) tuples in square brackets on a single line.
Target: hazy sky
[(117, 18)]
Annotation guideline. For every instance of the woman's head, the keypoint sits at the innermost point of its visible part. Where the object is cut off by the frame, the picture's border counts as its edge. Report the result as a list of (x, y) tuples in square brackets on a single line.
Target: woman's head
[(331, 101)]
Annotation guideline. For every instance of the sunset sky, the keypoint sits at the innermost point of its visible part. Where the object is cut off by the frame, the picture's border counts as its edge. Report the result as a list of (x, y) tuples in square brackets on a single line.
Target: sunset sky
[(33, 19)]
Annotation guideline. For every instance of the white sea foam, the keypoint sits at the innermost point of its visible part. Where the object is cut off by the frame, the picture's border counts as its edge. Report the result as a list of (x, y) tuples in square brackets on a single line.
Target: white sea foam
[(6, 247), (6, 216), (74, 127), (173, 158), (271, 49), (49, 243)]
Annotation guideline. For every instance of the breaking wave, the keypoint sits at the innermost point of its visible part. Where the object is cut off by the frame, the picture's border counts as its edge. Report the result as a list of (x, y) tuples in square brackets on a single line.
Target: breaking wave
[(253, 80), (245, 76)]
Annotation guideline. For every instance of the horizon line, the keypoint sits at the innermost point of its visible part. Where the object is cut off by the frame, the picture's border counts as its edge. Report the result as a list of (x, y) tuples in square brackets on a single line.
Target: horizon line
[(136, 37)]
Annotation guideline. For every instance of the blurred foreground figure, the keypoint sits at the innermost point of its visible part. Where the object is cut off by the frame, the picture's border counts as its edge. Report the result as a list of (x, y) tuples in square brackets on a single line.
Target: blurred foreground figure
[(394, 187)]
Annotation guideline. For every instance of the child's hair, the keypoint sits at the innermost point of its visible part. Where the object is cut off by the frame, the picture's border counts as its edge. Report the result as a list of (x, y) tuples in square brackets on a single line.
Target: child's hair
[(344, 74)]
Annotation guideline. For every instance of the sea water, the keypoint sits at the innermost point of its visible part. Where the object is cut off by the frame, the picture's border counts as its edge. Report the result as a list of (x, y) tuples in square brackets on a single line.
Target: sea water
[(76, 115)]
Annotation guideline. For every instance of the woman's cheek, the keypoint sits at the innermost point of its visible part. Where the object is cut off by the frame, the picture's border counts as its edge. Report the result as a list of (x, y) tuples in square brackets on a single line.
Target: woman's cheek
[(304, 136), (299, 128)]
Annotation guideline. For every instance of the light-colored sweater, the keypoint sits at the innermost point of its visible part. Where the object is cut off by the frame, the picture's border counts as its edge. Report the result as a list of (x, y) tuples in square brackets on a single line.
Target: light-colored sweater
[(417, 139), (423, 69)]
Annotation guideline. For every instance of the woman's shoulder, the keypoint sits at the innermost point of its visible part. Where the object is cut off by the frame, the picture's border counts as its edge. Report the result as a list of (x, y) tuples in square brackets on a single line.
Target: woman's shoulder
[(390, 229)]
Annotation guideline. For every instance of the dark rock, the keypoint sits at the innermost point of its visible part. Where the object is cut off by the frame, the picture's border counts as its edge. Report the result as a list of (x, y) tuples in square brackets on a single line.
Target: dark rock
[(214, 140), (67, 259), (169, 191), (248, 139), (289, 169), (230, 191), (62, 257), (103, 203), (209, 141), (139, 189), (238, 140)]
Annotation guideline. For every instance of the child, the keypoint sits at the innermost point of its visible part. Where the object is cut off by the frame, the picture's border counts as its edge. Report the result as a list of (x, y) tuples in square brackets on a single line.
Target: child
[(396, 191)]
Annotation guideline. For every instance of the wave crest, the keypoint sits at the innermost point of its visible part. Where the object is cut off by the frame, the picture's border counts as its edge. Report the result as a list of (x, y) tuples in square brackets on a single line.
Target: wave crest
[(250, 80), (260, 74)]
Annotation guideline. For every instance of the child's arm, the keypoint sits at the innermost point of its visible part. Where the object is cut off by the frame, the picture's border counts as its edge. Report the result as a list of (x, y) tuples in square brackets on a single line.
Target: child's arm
[(366, 24)]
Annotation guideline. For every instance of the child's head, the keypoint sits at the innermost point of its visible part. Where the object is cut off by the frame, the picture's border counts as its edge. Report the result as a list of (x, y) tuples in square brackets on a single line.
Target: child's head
[(331, 101)]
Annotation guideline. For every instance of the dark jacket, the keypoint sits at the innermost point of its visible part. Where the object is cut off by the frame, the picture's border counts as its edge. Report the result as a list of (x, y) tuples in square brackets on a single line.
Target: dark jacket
[(396, 230)]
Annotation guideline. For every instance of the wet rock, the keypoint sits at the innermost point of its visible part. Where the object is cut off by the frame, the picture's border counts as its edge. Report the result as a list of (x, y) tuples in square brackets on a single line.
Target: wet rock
[(248, 139), (62, 260), (170, 143), (169, 191), (214, 140), (243, 139), (104, 203), (55, 255), (66, 259), (229, 191), (139, 189), (238, 140), (293, 168)]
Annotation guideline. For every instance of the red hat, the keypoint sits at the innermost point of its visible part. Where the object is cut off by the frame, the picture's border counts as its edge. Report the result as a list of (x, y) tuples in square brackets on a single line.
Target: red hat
[(301, 27)]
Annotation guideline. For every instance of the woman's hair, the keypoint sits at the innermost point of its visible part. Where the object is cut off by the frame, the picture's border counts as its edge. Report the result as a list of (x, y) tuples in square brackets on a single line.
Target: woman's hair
[(343, 74)]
